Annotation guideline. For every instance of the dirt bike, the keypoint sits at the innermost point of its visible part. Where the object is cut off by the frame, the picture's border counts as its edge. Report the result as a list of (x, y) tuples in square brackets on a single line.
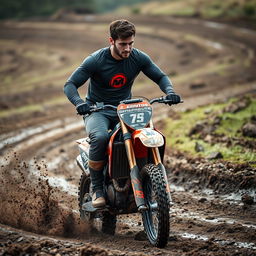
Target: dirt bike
[(135, 178)]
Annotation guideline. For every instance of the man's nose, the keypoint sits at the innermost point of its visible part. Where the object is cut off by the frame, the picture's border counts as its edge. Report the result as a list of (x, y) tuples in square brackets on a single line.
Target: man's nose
[(128, 47)]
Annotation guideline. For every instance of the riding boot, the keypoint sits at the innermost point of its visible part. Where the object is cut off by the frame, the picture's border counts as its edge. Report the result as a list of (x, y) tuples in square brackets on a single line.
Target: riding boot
[(98, 200)]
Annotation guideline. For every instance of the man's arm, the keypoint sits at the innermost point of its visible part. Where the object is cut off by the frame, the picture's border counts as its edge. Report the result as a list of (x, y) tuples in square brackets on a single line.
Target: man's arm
[(152, 71), (77, 79)]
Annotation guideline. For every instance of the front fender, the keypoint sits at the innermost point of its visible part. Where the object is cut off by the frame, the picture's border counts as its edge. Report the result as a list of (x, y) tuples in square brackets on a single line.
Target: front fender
[(149, 138)]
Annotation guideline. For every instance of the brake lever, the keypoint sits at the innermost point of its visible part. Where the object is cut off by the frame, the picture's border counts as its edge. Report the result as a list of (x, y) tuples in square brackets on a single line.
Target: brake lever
[(167, 102)]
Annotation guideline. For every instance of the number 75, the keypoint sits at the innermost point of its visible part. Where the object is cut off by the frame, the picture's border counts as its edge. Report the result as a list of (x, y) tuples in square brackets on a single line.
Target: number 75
[(137, 118)]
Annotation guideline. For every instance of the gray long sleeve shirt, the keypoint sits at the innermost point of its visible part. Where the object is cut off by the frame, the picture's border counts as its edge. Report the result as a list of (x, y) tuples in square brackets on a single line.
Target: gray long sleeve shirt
[(111, 80)]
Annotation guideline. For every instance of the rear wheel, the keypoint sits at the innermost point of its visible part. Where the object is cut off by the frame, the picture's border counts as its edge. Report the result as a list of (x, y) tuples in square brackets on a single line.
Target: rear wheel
[(84, 196), (156, 219)]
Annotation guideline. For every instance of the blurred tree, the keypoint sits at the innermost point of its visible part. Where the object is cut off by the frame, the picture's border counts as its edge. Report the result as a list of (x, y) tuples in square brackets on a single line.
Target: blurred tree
[(30, 8), (109, 5)]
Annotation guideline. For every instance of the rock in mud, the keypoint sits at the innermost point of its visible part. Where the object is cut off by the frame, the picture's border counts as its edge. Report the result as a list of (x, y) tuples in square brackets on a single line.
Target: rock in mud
[(199, 147), (173, 238), (202, 200), (247, 199), (140, 236), (91, 250), (215, 155), (249, 130), (237, 106), (197, 85), (197, 128), (253, 119)]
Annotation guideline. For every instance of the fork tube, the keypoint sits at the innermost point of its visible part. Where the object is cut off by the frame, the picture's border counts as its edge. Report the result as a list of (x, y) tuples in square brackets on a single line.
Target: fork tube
[(128, 146), (156, 156), (151, 125), (135, 174)]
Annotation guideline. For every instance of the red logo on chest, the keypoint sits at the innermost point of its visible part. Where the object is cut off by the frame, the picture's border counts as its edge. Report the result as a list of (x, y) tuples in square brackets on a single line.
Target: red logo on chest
[(118, 81)]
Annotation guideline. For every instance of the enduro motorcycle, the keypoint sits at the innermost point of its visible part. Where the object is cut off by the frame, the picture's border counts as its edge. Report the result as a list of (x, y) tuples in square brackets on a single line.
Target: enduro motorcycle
[(135, 178)]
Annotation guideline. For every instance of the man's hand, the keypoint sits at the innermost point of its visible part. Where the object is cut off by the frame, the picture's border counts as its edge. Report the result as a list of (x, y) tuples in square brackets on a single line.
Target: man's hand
[(83, 108), (174, 98)]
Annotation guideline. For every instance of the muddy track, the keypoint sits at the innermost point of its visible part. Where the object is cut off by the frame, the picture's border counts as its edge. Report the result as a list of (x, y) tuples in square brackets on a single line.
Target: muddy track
[(39, 176)]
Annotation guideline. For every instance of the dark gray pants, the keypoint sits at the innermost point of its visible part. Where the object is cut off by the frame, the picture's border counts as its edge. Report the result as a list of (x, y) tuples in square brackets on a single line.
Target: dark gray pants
[(97, 125)]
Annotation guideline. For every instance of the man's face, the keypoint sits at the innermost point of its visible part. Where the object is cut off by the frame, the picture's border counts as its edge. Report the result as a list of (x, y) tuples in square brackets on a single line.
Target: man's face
[(122, 48)]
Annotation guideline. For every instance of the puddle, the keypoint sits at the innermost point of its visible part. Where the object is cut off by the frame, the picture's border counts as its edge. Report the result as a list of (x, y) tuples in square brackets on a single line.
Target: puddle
[(219, 241), (177, 188), (236, 196), (214, 220), (238, 244), (40, 138), (216, 25), (25, 133), (210, 195), (193, 236), (215, 45)]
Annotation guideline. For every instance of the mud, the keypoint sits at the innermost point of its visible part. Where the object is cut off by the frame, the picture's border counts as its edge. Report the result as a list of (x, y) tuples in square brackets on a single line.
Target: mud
[(214, 202)]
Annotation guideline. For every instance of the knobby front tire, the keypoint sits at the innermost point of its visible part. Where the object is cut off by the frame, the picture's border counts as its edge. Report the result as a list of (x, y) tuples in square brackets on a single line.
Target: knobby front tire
[(156, 219)]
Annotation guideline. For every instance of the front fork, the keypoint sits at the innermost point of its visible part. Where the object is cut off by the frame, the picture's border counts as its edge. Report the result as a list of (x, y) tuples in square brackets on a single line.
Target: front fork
[(135, 174)]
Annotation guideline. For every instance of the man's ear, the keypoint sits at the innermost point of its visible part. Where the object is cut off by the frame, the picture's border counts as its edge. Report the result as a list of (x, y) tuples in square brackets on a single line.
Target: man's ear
[(111, 41)]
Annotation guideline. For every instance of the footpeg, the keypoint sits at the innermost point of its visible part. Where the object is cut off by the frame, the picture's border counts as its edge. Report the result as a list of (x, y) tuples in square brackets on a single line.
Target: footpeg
[(142, 208)]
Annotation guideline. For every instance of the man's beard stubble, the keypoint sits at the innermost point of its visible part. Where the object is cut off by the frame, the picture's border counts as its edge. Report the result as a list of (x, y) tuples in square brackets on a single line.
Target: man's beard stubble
[(119, 54)]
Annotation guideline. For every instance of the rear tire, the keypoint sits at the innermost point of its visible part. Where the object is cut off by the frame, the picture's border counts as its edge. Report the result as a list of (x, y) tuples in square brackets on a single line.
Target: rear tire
[(108, 220), (156, 221), (84, 196)]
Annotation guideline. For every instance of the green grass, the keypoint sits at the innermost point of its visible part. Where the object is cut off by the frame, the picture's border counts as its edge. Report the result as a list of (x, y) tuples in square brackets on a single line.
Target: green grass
[(232, 123), (207, 9), (230, 126)]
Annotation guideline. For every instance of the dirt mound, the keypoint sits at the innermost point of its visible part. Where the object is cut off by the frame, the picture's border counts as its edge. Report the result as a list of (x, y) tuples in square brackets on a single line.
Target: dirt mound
[(200, 173), (31, 245)]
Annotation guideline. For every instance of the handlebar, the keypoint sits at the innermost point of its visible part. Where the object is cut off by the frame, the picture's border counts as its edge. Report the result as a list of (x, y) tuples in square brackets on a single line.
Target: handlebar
[(100, 105), (162, 99)]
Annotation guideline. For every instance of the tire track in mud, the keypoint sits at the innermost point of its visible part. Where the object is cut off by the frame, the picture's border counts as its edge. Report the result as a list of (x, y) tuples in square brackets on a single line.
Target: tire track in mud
[(57, 213)]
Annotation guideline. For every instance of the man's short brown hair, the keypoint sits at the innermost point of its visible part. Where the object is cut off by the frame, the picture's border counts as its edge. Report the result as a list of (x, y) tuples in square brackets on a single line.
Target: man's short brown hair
[(121, 29)]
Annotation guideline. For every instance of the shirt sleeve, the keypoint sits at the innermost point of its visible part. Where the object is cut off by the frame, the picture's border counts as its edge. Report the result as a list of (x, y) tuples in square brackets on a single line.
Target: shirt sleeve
[(152, 71), (78, 78)]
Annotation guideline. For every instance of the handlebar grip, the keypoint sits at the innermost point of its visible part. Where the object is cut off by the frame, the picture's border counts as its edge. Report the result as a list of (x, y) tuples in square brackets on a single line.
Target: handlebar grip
[(131, 101)]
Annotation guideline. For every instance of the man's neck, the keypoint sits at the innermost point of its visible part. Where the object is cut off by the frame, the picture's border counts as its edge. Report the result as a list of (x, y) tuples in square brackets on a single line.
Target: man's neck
[(113, 54)]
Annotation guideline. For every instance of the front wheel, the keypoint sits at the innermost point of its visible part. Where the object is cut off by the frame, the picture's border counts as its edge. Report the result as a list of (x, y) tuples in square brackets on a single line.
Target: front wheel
[(156, 219)]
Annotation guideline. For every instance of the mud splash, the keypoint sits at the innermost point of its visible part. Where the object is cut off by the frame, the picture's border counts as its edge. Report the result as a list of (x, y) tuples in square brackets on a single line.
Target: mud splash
[(33, 201)]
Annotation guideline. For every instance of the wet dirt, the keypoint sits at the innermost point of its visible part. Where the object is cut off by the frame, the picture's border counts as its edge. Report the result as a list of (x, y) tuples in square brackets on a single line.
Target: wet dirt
[(214, 202)]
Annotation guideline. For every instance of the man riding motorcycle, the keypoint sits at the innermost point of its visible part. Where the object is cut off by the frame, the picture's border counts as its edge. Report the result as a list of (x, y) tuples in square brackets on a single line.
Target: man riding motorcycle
[(112, 71)]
